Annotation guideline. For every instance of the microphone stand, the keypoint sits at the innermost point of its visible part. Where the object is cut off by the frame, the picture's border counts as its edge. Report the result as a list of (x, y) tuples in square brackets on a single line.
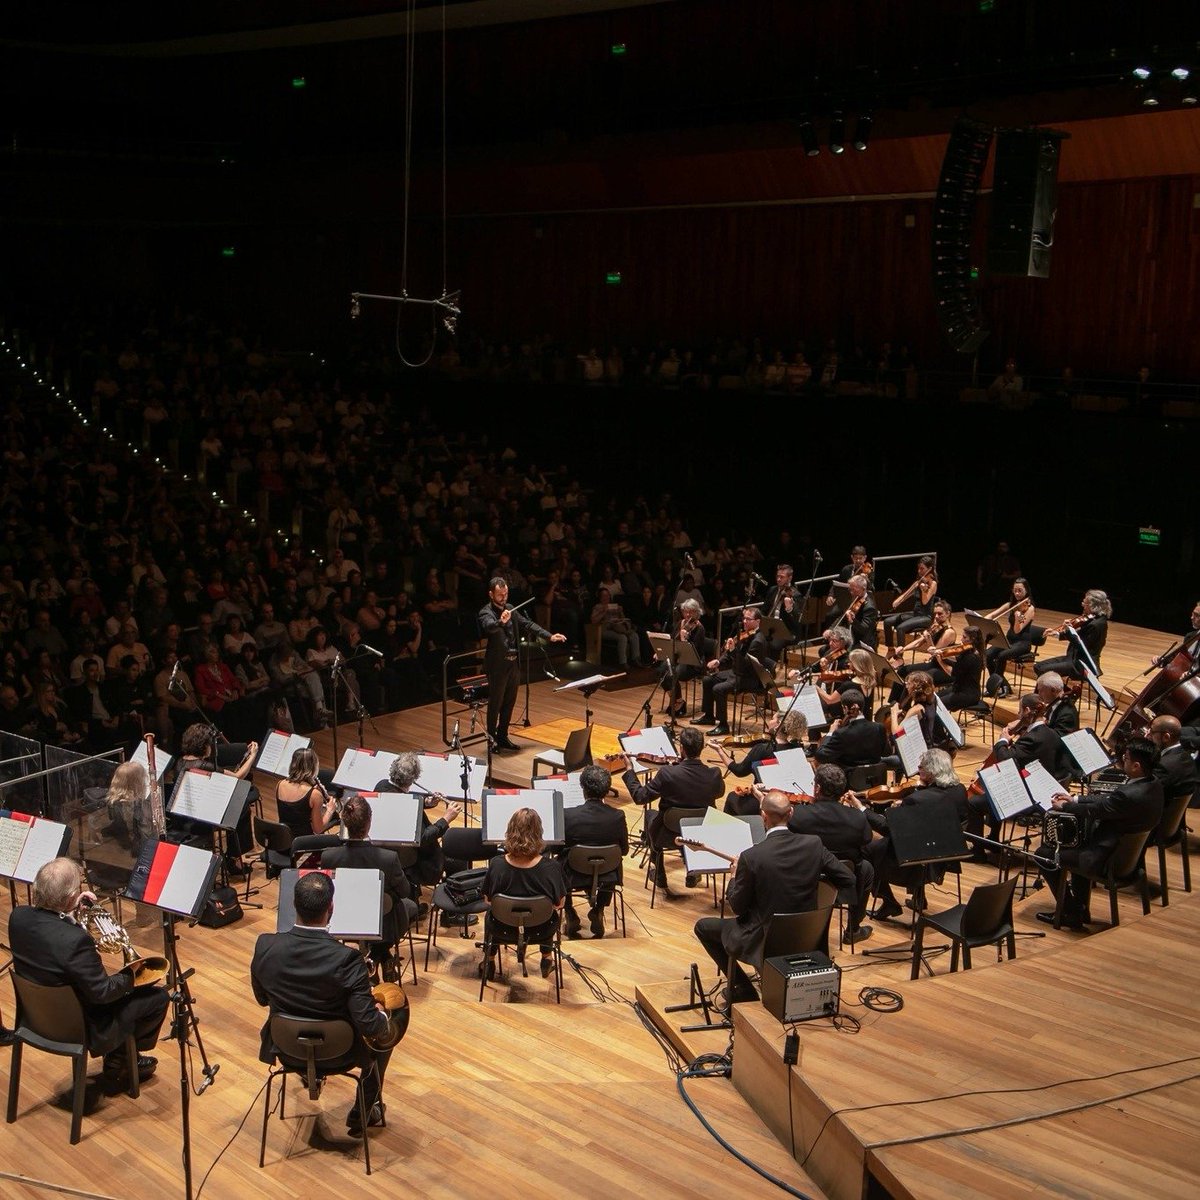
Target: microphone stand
[(644, 708), (817, 561)]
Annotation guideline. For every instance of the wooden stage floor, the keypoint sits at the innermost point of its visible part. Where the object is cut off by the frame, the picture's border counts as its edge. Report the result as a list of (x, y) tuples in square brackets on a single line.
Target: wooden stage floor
[(519, 1096)]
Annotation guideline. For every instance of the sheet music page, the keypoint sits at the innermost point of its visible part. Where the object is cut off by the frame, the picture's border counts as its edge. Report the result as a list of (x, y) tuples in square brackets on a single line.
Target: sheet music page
[(162, 760), (43, 844), (278, 746), (1097, 687), (952, 726), (498, 808), (911, 744), (808, 703), (203, 796), (1043, 787), (588, 681), (395, 816), (357, 903), (567, 785), (796, 761), (654, 740), (1084, 747), (362, 769), (771, 773), (13, 832), (186, 886), (1005, 789), (730, 838), (443, 773)]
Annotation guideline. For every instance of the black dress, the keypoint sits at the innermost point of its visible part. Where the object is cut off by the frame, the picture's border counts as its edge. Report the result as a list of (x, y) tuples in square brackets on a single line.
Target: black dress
[(544, 878)]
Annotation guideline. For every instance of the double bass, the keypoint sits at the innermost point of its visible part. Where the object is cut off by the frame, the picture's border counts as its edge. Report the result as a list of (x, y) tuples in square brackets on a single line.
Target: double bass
[(1173, 692)]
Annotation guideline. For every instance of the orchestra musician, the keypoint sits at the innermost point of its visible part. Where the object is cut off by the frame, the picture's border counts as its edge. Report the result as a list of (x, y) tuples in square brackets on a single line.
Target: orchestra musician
[(301, 801), (784, 732), (857, 565), (1021, 612), (1175, 767), (689, 629), (688, 783), (965, 669), (780, 603), (845, 833), (1135, 806), (860, 613), (863, 677), (924, 590), (51, 948), (938, 636), (939, 785), (402, 777), (1190, 732), (853, 740), (778, 875), (592, 823), (1090, 627), (734, 672), (503, 626)]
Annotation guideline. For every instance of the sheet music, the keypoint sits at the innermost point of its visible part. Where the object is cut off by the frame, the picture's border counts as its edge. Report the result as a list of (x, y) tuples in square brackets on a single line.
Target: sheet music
[(395, 817), (911, 744), (566, 785), (176, 878), (1086, 749), (498, 808), (443, 773), (162, 760), (357, 903), (43, 843), (1043, 787), (1005, 789), (654, 740), (13, 832), (807, 702), (278, 746), (947, 719), (203, 796), (1097, 687), (362, 769), (732, 838), (591, 681), (770, 773), (796, 761)]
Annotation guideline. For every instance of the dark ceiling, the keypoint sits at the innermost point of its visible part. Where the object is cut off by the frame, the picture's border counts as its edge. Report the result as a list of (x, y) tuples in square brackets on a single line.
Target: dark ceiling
[(210, 81)]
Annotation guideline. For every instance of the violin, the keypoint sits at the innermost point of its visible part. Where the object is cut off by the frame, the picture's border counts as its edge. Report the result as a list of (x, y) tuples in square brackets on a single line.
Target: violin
[(887, 793), (613, 763), (952, 651), (832, 676), (1070, 623)]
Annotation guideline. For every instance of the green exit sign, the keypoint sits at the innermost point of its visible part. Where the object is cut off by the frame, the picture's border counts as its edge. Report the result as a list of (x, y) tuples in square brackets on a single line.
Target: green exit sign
[(618, 49), (1149, 536), (613, 278), (228, 251), (298, 82)]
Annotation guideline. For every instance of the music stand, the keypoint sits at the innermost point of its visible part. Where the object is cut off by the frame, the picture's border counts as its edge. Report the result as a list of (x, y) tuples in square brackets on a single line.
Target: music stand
[(499, 804), (585, 687), (992, 632), (462, 776), (395, 817), (215, 799), (922, 835), (885, 674), (177, 880), (357, 903), (568, 785), (361, 769), (278, 746)]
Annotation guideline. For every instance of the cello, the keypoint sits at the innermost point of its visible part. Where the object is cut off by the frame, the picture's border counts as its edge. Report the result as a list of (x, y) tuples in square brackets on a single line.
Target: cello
[(1174, 692)]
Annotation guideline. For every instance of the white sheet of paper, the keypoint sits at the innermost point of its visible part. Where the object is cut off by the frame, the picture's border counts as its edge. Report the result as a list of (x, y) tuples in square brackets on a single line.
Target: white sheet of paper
[(203, 796), (796, 761), (13, 832), (1043, 787), (1084, 747), (162, 760), (587, 682), (1006, 788), (568, 785), (443, 773), (1097, 687), (499, 808), (278, 746), (395, 816), (362, 769), (911, 744), (808, 703), (43, 844), (732, 838), (357, 903), (186, 878), (654, 740), (952, 726)]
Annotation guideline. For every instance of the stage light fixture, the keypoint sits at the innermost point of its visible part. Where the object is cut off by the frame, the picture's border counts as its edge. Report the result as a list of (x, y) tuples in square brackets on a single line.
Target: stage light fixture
[(1150, 99), (837, 133), (1180, 73), (1142, 73), (862, 130)]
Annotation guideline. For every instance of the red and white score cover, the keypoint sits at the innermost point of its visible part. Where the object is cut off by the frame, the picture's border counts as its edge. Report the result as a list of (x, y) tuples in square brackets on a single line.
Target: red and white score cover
[(176, 878)]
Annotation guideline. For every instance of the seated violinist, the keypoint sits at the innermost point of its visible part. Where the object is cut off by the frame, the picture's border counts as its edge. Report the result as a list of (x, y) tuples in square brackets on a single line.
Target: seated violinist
[(965, 663), (788, 732), (734, 671), (853, 740), (1086, 632), (938, 785), (858, 673), (923, 589), (860, 614), (939, 636)]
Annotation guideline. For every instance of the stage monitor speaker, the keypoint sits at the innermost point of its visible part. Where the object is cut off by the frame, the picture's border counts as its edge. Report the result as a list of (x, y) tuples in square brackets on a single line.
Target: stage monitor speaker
[(1024, 202)]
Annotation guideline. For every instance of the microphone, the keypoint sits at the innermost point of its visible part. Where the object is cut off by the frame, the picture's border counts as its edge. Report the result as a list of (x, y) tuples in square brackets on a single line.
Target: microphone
[(370, 649), (893, 584), (474, 714), (760, 578), (818, 556), (454, 737), (550, 671), (174, 674)]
